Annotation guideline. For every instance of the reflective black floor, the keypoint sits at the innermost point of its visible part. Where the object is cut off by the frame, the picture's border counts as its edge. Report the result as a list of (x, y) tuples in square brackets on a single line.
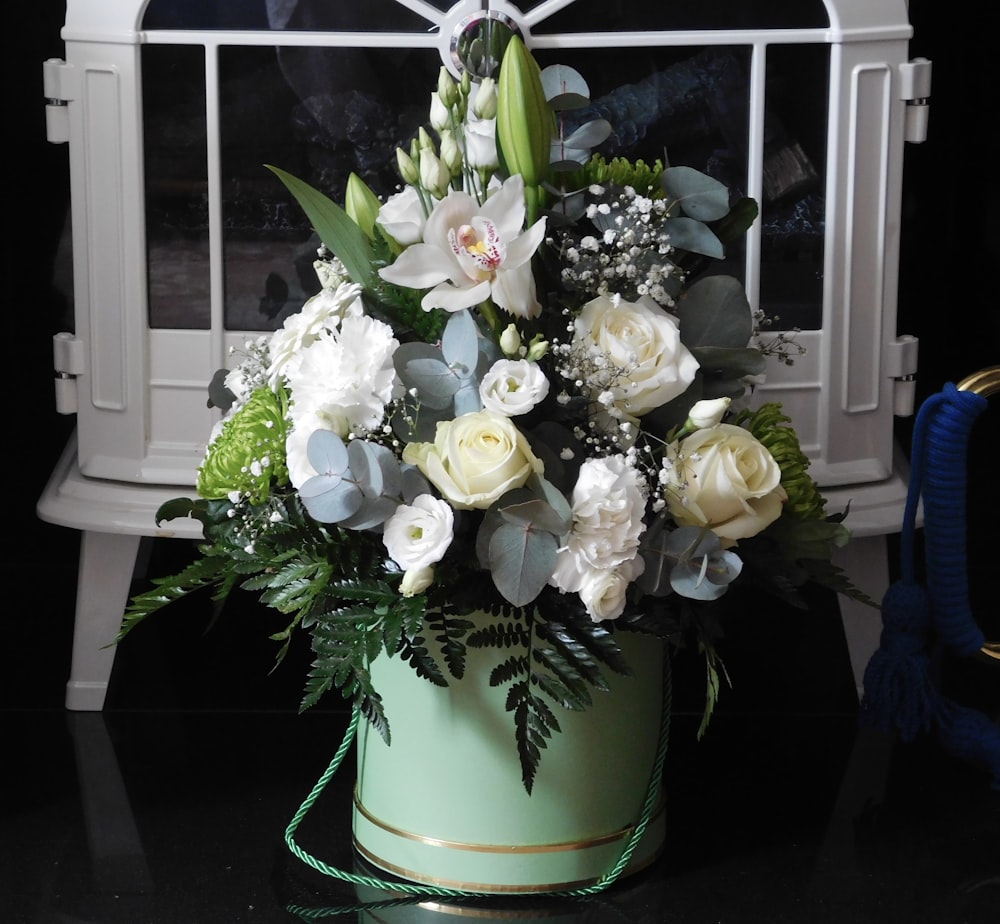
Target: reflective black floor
[(171, 805)]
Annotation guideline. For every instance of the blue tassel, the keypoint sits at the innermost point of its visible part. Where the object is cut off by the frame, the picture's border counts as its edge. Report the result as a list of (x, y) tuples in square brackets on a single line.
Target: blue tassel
[(898, 689), (898, 692)]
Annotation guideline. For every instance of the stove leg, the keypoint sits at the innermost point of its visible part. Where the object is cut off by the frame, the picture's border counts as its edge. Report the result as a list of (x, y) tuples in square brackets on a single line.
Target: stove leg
[(866, 562), (107, 565)]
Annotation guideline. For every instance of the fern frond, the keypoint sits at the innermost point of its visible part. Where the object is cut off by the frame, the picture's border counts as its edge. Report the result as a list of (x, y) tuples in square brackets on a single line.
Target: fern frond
[(202, 572)]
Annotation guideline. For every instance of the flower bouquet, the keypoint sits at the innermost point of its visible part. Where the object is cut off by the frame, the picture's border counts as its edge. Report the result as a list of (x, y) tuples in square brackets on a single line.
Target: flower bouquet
[(522, 391)]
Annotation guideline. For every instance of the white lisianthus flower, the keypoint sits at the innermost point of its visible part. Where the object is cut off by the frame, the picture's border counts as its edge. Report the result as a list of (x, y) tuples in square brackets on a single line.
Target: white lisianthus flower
[(725, 479), (481, 144), (472, 252), (608, 503), (643, 340), (321, 313), (417, 535), (475, 459), (440, 115), (513, 387), (603, 590), (402, 217), (345, 378)]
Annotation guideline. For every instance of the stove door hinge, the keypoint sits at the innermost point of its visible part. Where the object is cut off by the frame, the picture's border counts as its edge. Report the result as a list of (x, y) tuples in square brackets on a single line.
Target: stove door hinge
[(60, 83), (901, 363), (915, 91), (68, 359)]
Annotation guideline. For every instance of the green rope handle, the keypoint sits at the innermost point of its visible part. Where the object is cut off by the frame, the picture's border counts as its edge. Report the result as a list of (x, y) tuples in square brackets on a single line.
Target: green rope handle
[(649, 803)]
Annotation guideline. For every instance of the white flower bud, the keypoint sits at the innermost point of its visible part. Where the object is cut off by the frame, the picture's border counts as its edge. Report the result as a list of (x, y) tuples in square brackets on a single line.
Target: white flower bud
[(707, 413), (510, 341), (484, 106), (440, 117)]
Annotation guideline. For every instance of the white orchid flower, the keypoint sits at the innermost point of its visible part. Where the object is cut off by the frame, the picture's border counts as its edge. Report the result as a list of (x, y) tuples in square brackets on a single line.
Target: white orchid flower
[(472, 252)]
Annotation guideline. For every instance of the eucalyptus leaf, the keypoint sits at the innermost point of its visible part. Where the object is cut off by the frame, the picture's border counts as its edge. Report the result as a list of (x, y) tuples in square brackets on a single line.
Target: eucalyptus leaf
[(701, 196), (460, 343), (715, 311), (589, 135), (372, 512), (534, 513), (330, 499), (566, 102), (729, 362), (422, 366), (694, 236), (413, 483), (327, 452), (375, 469), (560, 79), (522, 561)]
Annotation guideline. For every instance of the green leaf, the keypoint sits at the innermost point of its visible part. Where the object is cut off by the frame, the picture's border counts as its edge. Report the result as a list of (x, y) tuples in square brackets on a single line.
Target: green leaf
[(522, 561), (693, 236), (701, 197), (335, 228), (715, 311)]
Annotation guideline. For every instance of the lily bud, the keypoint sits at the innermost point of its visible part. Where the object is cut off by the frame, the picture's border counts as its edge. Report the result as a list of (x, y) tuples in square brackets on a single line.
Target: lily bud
[(510, 341), (525, 123), (407, 168), (361, 204)]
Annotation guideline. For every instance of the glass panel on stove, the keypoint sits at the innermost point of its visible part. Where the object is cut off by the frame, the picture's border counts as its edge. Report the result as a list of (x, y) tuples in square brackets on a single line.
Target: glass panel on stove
[(175, 162)]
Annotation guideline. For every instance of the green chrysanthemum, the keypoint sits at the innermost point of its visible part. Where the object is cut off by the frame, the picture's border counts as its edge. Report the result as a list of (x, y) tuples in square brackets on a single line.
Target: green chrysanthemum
[(249, 454), (620, 171), (773, 430)]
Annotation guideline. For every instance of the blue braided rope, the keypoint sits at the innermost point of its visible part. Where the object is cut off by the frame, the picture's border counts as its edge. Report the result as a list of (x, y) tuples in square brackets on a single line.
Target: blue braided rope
[(939, 473), (412, 889)]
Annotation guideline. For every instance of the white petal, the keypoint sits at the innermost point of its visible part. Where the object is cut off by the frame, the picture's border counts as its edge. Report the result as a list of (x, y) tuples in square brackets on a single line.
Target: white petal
[(454, 298), (420, 267)]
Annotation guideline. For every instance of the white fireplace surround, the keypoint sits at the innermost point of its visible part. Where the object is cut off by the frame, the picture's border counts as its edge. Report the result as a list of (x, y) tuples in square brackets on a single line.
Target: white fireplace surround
[(138, 389)]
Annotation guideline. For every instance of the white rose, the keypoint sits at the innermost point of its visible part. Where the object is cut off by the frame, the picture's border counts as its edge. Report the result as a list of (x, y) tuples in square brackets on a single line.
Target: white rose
[(513, 387), (475, 459), (644, 342), (603, 591), (723, 478), (417, 535), (402, 217)]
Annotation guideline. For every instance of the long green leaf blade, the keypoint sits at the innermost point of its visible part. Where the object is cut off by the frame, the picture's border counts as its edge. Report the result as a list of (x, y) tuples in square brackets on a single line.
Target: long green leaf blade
[(335, 227)]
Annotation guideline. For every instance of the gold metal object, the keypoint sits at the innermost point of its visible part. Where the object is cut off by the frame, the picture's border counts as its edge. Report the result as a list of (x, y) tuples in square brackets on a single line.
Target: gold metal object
[(985, 382)]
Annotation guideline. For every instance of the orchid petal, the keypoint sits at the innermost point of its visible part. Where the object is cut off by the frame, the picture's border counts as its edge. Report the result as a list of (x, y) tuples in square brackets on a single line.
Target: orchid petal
[(419, 267)]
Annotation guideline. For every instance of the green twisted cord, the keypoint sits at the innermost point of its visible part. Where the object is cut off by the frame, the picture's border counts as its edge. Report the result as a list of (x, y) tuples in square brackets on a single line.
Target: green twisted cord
[(648, 806)]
